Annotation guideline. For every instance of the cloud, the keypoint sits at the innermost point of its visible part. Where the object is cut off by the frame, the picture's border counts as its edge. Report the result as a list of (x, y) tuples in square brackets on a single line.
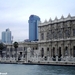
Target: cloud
[(14, 14)]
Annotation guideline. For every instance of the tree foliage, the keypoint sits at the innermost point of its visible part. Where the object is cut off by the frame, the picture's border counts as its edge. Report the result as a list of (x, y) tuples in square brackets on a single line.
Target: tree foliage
[(15, 44), (1, 46)]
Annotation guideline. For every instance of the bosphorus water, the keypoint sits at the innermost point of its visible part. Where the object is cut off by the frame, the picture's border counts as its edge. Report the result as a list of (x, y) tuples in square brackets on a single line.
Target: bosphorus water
[(17, 69)]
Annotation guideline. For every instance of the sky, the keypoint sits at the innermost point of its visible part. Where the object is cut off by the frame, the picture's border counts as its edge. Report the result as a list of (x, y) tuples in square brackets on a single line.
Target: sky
[(14, 14)]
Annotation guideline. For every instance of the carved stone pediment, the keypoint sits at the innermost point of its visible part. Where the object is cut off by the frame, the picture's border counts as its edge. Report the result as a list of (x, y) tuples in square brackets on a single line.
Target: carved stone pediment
[(50, 20), (47, 28), (62, 17), (43, 29), (52, 27), (56, 19), (73, 22), (55, 26), (45, 21), (69, 16), (59, 26), (65, 25)]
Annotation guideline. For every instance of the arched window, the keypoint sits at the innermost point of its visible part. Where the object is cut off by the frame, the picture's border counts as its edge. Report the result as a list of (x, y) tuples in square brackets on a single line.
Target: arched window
[(66, 51), (48, 51), (54, 52), (73, 51), (59, 52), (33, 48), (73, 32), (42, 52), (36, 48)]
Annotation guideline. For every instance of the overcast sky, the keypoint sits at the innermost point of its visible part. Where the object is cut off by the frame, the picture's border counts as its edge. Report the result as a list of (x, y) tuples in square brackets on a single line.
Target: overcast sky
[(14, 14)]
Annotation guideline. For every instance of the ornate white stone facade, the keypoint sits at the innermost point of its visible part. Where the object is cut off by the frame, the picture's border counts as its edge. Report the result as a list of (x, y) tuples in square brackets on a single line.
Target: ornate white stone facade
[(25, 51), (57, 39)]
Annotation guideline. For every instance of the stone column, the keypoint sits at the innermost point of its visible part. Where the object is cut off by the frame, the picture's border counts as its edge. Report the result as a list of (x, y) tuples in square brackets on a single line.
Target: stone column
[(28, 54), (56, 57), (69, 50), (45, 35), (56, 51), (72, 52), (62, 50), (10, 54), (45, 51), (50, 51)]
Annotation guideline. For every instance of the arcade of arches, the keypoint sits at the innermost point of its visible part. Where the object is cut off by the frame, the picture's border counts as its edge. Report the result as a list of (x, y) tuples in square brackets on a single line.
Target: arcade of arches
[(60, 49)]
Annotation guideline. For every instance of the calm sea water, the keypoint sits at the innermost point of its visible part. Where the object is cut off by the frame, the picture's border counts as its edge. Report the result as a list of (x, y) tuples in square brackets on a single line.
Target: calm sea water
[(16, 69)]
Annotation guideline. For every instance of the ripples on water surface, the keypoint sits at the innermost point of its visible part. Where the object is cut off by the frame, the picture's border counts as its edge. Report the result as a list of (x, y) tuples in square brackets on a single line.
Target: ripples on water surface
[(16, 69)]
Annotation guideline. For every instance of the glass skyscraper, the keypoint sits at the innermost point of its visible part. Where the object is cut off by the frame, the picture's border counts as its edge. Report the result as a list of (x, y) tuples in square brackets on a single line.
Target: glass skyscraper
[(33, 27), (6, 36)]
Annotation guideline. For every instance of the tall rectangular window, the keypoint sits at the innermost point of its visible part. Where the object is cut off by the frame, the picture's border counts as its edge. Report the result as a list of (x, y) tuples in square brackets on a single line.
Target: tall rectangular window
[(54, 35), (73, 32), (48, 36), (42, 36), (67, 33)]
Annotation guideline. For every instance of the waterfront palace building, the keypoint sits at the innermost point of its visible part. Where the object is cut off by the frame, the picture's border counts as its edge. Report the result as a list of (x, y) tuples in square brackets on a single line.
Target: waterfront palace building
[(56, 43), (57, 39)]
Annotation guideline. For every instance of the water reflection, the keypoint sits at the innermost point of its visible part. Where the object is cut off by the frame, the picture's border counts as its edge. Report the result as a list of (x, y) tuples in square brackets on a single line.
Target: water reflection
[(16, 69)]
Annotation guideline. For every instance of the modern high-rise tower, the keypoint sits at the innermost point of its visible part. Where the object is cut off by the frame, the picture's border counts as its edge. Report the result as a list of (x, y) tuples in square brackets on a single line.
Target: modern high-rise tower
[(33, 27), (6, 36)]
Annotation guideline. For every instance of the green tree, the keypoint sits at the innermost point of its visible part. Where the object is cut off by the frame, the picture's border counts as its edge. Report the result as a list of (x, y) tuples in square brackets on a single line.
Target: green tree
[(15, 46), (1, 48)]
